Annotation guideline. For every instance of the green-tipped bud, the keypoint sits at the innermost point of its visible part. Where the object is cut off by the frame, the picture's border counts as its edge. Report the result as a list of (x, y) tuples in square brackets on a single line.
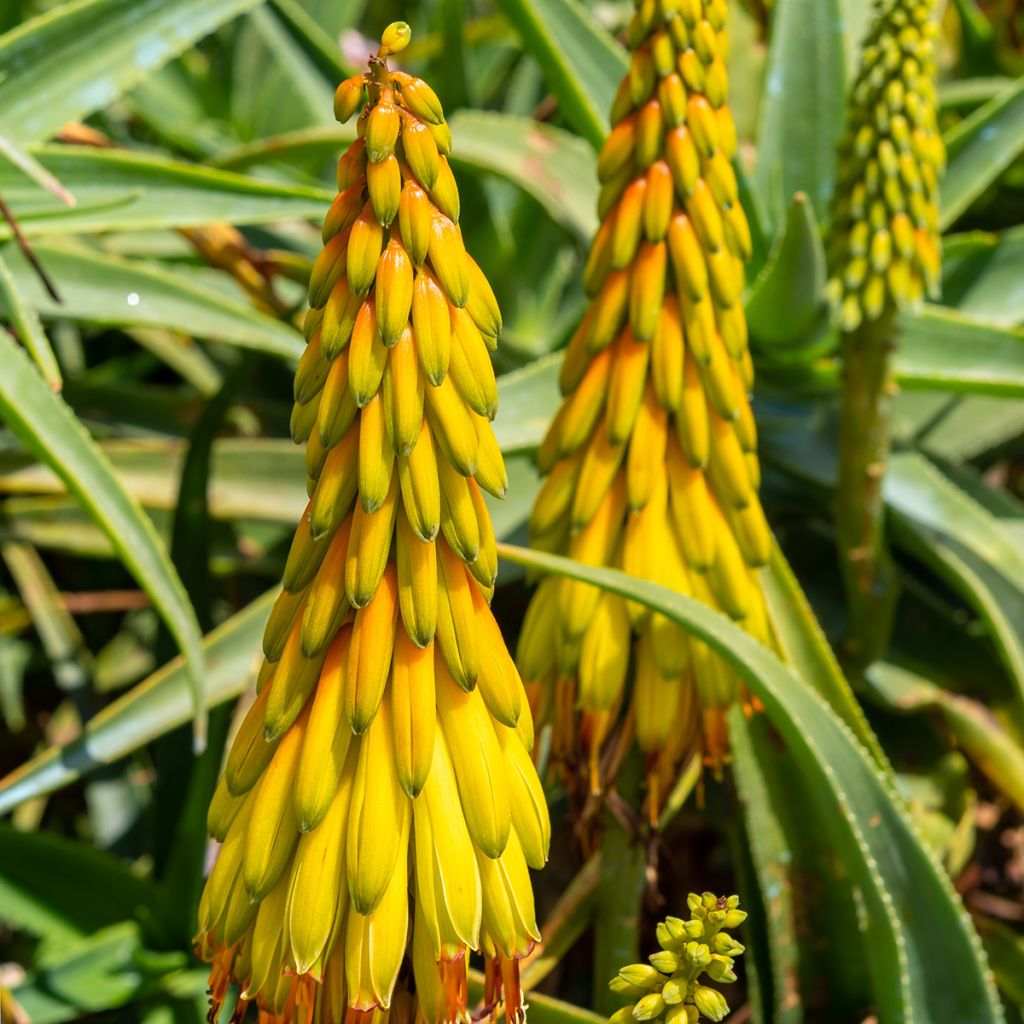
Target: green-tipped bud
[(650, 1007), (665, 961), (641, 976), (710, 1002), (697, 955), (720, 969)]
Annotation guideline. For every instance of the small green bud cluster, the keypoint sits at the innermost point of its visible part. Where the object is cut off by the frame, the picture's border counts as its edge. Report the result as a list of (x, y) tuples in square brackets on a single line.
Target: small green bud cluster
[(671, 986), (884, 250)]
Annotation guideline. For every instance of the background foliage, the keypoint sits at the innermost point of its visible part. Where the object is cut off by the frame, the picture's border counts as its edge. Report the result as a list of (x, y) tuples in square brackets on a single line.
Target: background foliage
[(148, 488)]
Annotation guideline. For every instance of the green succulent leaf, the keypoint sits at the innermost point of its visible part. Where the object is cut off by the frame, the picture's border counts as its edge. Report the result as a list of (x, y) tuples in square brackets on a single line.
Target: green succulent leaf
[(101, 289), (803, 109), (120, 191), (46, 426), (980, 148), (581, 62), (80, 56)]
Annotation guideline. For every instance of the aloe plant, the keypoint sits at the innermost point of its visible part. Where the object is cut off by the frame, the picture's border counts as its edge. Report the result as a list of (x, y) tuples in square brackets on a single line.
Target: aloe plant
[(166, 167)]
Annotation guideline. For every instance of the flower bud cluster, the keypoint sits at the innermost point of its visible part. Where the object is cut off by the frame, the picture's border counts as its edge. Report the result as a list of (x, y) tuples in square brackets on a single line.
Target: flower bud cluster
[(885, 250), (672, 986)]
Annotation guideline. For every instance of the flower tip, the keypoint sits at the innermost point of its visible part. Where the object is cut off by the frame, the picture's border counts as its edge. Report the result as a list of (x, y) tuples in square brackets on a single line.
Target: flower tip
[(396, 38)]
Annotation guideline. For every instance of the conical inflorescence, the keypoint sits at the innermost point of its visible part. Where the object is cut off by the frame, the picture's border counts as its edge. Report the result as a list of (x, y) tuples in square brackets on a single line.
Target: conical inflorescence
[(387, 752), (884, 250), (651, 461)]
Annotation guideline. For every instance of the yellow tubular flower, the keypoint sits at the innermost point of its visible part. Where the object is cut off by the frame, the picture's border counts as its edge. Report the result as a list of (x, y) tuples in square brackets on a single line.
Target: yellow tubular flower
[(372, 765), (651, 461), (885, 251)]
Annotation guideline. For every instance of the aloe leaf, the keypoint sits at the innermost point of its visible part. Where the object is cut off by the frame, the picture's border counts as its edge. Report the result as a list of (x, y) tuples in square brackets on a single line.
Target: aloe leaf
[(805, 649), (581, 62), (29, 329), (80, 56), (122, 191), (788, 296), (967, 545), (60, 891), (34, 170), (983, 276), (102, 289), (528, 398), (978, 732), (927, 961), (46, 426), (804, 887), (803, 109), (940, 348), (154, 707), (980, 148)]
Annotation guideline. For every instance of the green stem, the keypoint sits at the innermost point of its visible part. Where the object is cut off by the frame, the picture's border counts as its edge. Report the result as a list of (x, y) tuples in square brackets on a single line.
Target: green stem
[(865, 439)]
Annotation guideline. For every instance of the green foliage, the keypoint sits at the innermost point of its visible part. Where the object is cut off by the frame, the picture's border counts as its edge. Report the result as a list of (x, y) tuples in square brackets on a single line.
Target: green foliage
[(145, 411)]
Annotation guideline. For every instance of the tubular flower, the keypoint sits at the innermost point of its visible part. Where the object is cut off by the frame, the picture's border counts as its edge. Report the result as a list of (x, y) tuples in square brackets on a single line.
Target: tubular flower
[(651, 461), (885, 251), (387, 751), (670, 987)]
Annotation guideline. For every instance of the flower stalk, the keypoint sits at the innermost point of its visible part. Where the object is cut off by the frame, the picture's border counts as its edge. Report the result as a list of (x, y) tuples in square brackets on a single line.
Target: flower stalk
[(884, 257)]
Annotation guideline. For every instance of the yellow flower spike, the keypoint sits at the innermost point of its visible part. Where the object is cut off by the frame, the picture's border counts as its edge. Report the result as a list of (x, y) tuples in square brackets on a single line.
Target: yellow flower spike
[(881, 158), (369, 547), (327, 604), (457, 638), (375, 943), (376, 456), (273, 830), (421, 493), (445, 193), (363, 247), (249, 754), (332, 501), (367, 355), (414, 216), (413, 704), (432, 324), (417, 595), (369, 655), (339, 318), (498, 679), (393, 292), (378, 816), (458, 514), (327, 741), (476, 759), (447, 878), (317, 891), (448, 258), (343, 750), (403, 393), (651, 460)]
